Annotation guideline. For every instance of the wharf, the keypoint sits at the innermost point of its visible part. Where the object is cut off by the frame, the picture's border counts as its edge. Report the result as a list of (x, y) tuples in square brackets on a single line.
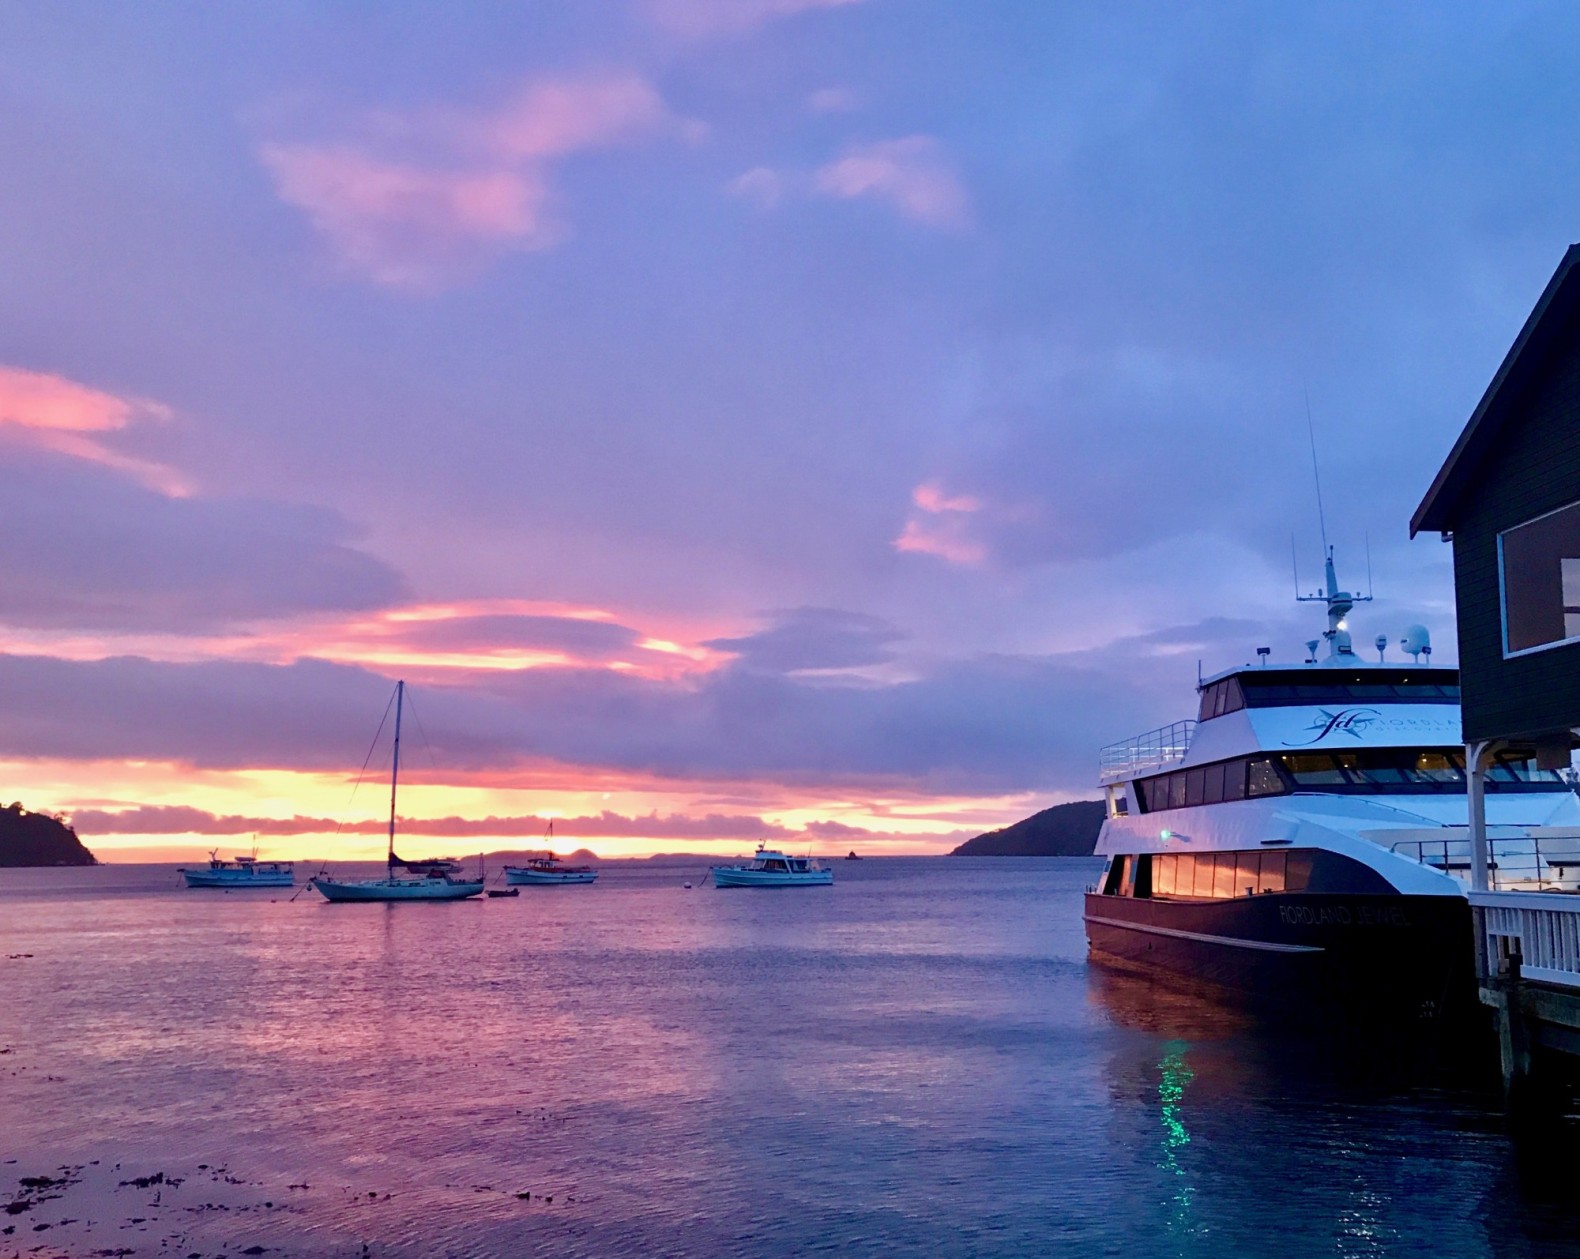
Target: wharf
[(1528, 972)]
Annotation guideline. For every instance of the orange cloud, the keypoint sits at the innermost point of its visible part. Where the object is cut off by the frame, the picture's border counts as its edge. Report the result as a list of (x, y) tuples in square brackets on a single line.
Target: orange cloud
[(912, 174), (61, 415), (480, 186)]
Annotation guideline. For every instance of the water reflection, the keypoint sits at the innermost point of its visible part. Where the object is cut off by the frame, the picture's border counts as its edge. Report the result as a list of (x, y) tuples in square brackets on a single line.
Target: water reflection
[(1329, 1140), (1174, 1075)]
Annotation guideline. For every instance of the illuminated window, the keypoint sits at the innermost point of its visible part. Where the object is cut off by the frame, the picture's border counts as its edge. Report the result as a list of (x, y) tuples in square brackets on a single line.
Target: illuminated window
[(1539, 562)]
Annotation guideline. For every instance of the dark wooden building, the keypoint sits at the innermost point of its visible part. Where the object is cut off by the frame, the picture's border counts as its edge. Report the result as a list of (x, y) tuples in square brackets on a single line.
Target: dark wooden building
[(1509, 497)]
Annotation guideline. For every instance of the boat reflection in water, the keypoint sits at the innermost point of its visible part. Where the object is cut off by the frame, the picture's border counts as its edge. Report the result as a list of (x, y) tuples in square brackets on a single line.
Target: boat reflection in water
[(1233, 1109)]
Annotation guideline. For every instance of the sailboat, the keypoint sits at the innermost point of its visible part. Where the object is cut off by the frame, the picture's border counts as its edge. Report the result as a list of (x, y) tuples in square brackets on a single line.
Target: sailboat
[(423, 880)]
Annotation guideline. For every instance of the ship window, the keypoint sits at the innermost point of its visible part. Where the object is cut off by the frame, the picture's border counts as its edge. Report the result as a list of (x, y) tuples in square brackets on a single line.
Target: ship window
[(1297, 871), (1223, 875), (1271, 690), (1143, 880), (1313, 769), (1176, 791), (1204, 710), (1212, 789), (1220, 693), (1272, 873), (1163, 866), (1539, 566), (1263, 780), (1247, 873), (1201, 884), (1195, 780), (1234, 780), (1439, 767), (1116, 876), (1520, 767)]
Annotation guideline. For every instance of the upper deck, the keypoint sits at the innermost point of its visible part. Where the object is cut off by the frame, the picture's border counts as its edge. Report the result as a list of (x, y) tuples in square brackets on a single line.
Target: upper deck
[(1284, 708)]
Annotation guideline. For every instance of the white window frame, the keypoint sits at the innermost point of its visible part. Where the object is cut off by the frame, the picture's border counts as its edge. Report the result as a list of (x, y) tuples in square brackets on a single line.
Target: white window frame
[(1503, 603)]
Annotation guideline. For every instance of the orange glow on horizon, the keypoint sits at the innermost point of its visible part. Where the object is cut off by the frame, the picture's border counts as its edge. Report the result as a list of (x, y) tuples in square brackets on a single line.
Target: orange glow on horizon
[(645, 817)]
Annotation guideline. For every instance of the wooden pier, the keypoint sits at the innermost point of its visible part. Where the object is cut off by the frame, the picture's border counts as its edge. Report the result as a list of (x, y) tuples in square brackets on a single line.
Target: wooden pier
[(1528, 971)]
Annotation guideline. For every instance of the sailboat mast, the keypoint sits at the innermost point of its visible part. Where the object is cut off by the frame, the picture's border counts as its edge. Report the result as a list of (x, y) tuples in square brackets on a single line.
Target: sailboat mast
[(400, 695)]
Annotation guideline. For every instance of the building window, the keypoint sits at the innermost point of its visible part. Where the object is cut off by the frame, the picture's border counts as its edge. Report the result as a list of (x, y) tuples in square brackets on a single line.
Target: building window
[(1539, 562)]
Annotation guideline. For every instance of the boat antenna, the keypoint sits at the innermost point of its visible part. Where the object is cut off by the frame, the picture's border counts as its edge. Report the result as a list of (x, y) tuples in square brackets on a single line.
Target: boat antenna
[(400, 695), (1294, 562), (1369, 588), (1316, 473)]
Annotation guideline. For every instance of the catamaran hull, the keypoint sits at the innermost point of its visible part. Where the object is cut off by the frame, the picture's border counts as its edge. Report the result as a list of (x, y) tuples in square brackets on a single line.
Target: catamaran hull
[(546, 878), (416, 890), (1395, 957), (723, 876), (204, 878)]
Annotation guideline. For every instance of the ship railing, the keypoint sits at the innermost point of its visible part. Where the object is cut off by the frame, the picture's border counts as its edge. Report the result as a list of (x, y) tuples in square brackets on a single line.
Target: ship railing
[(1525, 863), (1166, 745), (1541, 929)]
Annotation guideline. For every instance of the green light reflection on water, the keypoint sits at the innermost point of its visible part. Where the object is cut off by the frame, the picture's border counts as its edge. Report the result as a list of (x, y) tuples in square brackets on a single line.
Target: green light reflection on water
[(1174, 1075)]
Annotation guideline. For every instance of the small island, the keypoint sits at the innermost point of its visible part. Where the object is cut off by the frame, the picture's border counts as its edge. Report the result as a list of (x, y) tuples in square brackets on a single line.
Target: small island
[(39, 839), (1065, 830)]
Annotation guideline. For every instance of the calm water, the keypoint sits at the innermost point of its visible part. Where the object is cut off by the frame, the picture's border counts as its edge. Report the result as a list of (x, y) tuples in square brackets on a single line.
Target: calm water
[(918, 1059)]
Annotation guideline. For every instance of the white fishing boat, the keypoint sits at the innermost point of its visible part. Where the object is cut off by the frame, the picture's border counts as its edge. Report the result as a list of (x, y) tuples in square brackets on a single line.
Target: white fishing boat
[(774, 869), (239, 872), (433, 880), (545, 871), (548, 870)]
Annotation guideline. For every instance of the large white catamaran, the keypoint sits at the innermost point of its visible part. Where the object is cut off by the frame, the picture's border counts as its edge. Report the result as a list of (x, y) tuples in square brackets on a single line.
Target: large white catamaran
[(423, 881), (1308, 833)]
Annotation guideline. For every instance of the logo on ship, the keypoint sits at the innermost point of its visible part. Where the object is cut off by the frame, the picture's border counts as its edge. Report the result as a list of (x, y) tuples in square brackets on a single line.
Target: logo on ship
[(1352, 721)]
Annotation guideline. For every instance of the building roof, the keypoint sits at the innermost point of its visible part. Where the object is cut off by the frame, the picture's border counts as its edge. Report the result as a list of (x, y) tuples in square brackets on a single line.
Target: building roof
[(1559, 300)]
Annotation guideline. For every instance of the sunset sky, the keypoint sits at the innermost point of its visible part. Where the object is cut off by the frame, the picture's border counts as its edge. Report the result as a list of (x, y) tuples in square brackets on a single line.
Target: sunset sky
[(821, 420)]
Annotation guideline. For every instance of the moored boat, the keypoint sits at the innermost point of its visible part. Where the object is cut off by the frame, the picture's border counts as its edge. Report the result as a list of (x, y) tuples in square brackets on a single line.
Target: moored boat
[(430, 880), (240, 872), (548, 871), (1305, 841), (774, 869)]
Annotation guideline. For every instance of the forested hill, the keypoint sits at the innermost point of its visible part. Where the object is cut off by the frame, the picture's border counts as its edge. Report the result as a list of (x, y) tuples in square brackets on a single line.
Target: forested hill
[(37, 839), (1065, 830)]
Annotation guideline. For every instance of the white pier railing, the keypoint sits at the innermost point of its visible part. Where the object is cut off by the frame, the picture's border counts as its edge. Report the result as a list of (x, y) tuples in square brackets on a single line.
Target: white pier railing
[(1156, 748), (1543, 928)]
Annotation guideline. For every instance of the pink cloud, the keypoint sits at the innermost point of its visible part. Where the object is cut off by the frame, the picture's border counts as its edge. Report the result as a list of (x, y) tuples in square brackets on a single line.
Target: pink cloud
[(479, 186), (911, 174), (942, 539), (404, 225), (931, 498), (943, 529), (72, 419), (557, 117), (698, 19)]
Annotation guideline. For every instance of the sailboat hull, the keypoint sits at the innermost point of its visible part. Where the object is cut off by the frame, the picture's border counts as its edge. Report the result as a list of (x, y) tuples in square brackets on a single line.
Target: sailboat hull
[(398, 889)]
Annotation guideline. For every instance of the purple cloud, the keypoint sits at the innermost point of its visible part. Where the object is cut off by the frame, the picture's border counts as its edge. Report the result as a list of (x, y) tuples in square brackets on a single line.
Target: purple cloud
[(89, 549), (809, 639)]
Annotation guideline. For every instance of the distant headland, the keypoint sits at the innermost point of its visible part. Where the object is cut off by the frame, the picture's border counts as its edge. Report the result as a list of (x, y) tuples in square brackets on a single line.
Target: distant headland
[(1065, 830), (37, 839)]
